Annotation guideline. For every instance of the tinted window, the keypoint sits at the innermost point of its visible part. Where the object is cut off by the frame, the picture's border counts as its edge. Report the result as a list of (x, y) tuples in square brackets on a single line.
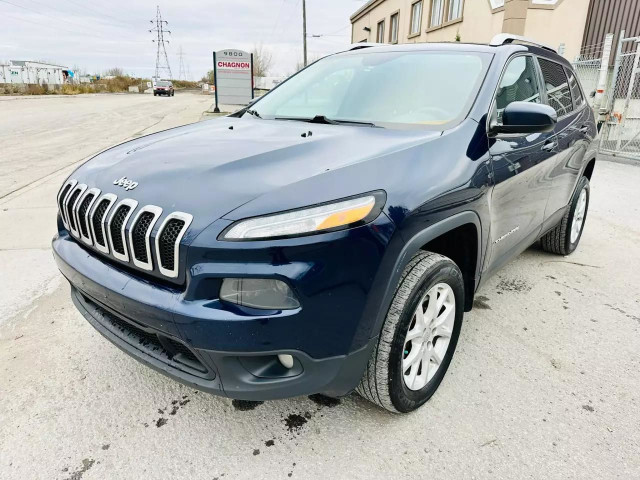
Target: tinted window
[(428, 88), (519, 84), (578, 99), (558, 93)]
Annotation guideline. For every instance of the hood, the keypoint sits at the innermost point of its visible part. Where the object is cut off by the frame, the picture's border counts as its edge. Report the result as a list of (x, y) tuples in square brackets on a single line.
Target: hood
[(211, 168)]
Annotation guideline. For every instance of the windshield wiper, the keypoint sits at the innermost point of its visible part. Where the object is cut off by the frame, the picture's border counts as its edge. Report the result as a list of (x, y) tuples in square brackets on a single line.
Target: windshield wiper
[(328, 121), (252, 112)]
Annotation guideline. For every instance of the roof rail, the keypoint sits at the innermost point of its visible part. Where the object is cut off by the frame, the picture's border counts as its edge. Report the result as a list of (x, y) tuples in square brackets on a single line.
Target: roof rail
[(505, 38), (356, 46)]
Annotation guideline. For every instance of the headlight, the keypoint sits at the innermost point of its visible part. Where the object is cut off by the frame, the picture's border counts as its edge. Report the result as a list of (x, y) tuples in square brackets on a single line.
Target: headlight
[(322, 218)]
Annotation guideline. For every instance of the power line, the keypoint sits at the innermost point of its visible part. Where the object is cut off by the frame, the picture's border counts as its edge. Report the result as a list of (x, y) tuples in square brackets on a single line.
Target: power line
[(161, 54)]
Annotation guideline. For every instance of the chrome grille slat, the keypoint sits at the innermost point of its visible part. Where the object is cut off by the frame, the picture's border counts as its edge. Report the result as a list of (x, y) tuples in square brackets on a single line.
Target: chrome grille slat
[(71, 204), (140, 236), (98, 219), (116, 233), (82, 215), (64, 192), (168, 248)]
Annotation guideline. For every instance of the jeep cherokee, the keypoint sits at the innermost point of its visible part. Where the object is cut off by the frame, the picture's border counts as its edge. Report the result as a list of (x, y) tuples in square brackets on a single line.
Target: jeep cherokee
[(330, 236)]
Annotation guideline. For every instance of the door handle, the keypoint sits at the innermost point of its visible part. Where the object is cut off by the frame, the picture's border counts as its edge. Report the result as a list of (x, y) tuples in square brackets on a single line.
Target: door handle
[(550, 145), (584, 129)]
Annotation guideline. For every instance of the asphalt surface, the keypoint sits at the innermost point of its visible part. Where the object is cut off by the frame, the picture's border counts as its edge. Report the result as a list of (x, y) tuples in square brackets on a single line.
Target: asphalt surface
[(545, 382)]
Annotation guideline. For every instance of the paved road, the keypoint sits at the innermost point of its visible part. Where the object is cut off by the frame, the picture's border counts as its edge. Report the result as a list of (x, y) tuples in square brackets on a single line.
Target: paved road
[(545, 383)]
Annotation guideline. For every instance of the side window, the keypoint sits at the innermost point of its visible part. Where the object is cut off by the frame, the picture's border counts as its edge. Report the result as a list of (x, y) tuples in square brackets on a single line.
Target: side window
[(576, 92), (558, 93), (519, 84)]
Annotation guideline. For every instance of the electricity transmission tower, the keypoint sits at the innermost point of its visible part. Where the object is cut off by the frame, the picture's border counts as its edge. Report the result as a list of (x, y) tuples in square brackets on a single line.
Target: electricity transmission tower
[(181, 73), (162, 61)]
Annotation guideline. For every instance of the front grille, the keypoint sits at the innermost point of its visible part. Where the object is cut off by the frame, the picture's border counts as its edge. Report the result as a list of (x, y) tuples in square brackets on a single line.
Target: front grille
[(82, 212), (167, 242), (70, 216), (116, 228), (85, 213), (139, 236), (96, 220)]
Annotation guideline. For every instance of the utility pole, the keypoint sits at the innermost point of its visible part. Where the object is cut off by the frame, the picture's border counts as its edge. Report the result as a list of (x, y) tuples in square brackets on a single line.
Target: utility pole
[(181, 72), (304, 30), (162, 61)]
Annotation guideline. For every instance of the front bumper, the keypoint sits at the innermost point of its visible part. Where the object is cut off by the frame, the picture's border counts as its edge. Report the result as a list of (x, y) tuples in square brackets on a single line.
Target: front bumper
[(233, 352)]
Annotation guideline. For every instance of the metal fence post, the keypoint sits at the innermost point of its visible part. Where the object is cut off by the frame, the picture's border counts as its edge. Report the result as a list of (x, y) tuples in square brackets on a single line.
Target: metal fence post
[(604, 73)]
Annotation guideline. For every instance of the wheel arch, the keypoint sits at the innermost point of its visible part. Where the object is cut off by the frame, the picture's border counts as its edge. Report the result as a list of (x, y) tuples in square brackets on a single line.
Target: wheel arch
[(461, 225), (588, 169)]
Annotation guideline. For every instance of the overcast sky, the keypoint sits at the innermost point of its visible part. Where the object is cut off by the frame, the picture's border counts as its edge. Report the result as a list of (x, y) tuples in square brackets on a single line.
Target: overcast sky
[(97, 35)]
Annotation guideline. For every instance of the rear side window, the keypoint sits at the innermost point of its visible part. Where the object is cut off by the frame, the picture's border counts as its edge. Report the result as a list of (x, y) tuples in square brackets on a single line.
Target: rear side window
[(519, 84), (557, 85), (576, 92)]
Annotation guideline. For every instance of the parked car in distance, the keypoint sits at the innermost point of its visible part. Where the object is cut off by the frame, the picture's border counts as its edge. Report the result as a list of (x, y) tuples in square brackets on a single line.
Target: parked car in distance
[(163, 87), (329, 237)]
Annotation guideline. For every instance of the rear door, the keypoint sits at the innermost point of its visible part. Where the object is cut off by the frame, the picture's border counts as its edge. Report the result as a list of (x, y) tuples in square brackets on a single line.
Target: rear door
[(565, 96), (520, 167)]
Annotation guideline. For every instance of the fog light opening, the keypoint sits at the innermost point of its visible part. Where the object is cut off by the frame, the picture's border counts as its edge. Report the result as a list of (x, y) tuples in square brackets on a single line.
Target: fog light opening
[(286, 360)]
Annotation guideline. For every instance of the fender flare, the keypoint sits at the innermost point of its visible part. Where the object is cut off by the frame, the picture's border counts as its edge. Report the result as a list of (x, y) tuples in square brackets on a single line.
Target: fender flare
[(414, 244)]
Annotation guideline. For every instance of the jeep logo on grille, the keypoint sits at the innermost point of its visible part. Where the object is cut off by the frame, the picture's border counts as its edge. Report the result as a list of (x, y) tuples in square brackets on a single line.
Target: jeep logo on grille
[(125, 183)]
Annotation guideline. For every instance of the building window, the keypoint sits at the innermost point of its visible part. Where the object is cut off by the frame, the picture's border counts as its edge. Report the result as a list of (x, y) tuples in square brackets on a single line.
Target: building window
[(416, 18), (393, 24), (380, 32), (455, 10), (437, 11), (496, 3)]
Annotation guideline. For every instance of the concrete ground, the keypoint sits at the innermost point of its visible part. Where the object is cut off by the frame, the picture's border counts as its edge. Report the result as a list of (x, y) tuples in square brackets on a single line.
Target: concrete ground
[(545, 382)]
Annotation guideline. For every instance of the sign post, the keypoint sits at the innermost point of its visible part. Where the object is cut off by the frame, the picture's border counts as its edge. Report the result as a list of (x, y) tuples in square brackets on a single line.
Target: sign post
[(233, 77)]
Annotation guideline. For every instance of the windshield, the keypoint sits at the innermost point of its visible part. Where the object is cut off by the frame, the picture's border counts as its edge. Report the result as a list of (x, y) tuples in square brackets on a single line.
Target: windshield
[(384, 88), (164, 84)]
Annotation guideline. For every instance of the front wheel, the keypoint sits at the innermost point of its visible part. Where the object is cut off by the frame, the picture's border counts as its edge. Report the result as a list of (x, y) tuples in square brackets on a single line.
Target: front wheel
[(418, 337), (563, 239)]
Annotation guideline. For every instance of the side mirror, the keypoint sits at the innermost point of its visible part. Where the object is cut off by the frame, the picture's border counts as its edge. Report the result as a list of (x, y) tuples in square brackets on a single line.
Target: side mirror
[(592, 94), (526, 117)]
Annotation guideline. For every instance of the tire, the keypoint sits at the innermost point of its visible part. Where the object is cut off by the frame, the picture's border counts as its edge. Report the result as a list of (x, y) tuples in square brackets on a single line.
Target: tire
[(384, 382), (155, 94), (563, 239)]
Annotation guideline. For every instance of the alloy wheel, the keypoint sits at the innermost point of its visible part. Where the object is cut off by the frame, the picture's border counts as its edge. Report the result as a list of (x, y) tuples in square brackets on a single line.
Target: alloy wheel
[(578, 216), (428, 336)]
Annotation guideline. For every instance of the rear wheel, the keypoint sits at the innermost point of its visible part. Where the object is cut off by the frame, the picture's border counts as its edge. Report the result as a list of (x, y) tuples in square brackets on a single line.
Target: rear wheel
[(418, 337), (565, 236)]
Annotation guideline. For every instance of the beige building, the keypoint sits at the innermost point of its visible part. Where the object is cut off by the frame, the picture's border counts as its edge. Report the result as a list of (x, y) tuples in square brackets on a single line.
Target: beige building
[(553, 22)]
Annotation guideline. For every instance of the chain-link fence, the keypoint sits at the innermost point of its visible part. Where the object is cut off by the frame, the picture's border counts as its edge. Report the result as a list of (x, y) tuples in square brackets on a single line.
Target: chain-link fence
[(620, 134), (587, 66)]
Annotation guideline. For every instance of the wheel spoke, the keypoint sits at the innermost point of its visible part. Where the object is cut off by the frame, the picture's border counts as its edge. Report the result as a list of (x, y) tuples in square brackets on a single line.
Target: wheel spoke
[(413, 358), (435, 356), (413, 373), (415, 332), (442, 331)]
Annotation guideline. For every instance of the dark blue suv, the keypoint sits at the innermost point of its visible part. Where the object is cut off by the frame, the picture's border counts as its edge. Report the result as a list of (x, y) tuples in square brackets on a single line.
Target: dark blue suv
[(329, 237)]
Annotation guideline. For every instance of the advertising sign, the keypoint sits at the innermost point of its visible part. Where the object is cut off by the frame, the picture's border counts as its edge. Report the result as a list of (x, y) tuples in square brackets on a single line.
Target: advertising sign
[(233, 77)]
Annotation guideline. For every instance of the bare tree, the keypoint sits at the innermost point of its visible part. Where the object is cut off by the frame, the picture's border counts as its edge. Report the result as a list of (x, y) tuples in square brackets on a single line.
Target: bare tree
[(262, 60), (115, 71)]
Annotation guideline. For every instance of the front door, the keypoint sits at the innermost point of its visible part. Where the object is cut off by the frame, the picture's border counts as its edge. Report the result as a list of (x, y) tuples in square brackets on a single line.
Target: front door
[(520, 168)]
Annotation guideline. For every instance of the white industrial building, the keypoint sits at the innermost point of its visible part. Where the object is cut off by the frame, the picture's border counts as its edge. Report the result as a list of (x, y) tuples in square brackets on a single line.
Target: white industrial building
[(27, 72)]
